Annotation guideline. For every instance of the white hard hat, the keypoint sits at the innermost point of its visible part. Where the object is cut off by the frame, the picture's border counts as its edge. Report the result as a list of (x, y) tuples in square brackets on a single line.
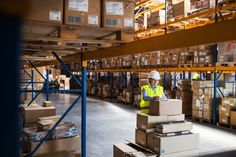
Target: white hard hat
[(154, 75)]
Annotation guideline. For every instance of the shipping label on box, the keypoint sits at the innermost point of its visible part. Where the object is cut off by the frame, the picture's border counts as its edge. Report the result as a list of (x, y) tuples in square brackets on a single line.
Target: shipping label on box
[(55, 15), (114, 8), (93, 19), (128, 22), (78, 5)]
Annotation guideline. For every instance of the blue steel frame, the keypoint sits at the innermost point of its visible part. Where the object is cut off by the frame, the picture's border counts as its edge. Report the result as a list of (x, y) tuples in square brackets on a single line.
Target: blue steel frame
[(82, 93), (214, 114)]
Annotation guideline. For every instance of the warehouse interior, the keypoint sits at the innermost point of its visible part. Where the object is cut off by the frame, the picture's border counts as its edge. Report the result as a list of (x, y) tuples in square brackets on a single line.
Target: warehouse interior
[(121, 78)]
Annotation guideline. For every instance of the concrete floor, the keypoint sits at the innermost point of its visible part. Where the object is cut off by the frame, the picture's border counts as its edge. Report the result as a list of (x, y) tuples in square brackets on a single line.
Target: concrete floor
[(110, 123)]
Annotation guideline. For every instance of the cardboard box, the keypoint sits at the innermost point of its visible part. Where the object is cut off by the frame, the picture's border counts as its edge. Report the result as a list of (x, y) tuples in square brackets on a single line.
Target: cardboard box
[(61, 154), (173, 127), (165, 108), (129, 149), (145, 121), (172, 144), (118, 14), (176, 118), (47, 104), (53, 118), (68, 34), (233, 118), (141, 136), (34, 111), (46, 11), (157, 17), (181, 9), (52, 146), (197, 113), (83, 12), (124, 36)]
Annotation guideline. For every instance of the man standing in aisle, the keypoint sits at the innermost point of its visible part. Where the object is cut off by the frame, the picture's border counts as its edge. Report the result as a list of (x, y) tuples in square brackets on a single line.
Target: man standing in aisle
[(152, 91)]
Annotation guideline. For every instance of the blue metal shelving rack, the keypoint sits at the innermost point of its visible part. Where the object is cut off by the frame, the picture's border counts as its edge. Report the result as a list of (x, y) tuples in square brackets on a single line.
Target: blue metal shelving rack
[(45, 89)]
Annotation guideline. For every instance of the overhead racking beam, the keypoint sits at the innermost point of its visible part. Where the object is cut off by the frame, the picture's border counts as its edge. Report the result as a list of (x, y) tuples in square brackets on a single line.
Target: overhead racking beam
[(211, 33), (187, 69)]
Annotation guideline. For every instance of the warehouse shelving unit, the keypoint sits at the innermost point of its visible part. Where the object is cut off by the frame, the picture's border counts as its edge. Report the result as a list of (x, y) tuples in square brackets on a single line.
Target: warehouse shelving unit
[(149, 42), (81, 84)]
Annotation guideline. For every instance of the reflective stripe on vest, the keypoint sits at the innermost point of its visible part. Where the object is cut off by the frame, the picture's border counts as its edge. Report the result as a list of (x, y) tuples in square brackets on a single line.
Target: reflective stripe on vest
[(144, 105)]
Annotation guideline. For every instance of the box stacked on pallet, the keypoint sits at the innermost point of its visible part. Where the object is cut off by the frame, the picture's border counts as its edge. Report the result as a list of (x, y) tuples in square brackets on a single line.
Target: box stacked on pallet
[(145, 60), (155, 58), (185, 94), (37, 121), (158, 130), (30, 114), (225, 109), (227, 52), (64, 138), (203, 56), (181, 8), (156, 18), (186, 58), (203, 99)]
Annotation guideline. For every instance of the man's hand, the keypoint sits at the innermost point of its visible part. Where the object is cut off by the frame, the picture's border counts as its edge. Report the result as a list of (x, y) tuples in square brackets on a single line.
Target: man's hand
[(156, 98)]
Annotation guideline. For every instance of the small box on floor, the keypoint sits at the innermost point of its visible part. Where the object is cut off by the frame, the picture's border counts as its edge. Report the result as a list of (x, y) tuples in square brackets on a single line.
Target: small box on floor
[(165, 108), (52, 146), (47, 104)]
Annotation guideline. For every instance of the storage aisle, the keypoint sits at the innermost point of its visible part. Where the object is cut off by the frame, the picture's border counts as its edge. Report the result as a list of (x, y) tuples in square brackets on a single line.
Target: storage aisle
[(109, 123)]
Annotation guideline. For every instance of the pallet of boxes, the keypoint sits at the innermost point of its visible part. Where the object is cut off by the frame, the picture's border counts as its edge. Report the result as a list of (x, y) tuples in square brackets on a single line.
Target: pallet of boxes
[(227, 112), (37, 121), (163, 132), (202, 107)]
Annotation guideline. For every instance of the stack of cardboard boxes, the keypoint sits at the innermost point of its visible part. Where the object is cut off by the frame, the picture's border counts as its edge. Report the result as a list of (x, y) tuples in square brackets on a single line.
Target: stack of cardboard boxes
[(225, 110), (156, 18), (181, 8), (203, 99), (197, 5), (203, 57), (166, 125), (227, 52), (37, 121), (186, 58), (117, 14), (185, 94)]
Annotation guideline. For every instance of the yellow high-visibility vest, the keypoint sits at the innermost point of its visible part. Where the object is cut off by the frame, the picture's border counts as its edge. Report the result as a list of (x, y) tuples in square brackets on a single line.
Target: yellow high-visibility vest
[(144, 105)]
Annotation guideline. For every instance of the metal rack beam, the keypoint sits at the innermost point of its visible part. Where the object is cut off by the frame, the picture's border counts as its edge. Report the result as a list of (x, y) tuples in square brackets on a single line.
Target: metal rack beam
[(200, 35), (187, 69)]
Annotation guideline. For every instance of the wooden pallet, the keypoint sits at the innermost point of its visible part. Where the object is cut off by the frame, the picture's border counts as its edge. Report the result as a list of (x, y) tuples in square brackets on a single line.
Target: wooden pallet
[(200, 120), (227, 64), (202, 65), (184, 65), (233, 127), (223, 125)]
